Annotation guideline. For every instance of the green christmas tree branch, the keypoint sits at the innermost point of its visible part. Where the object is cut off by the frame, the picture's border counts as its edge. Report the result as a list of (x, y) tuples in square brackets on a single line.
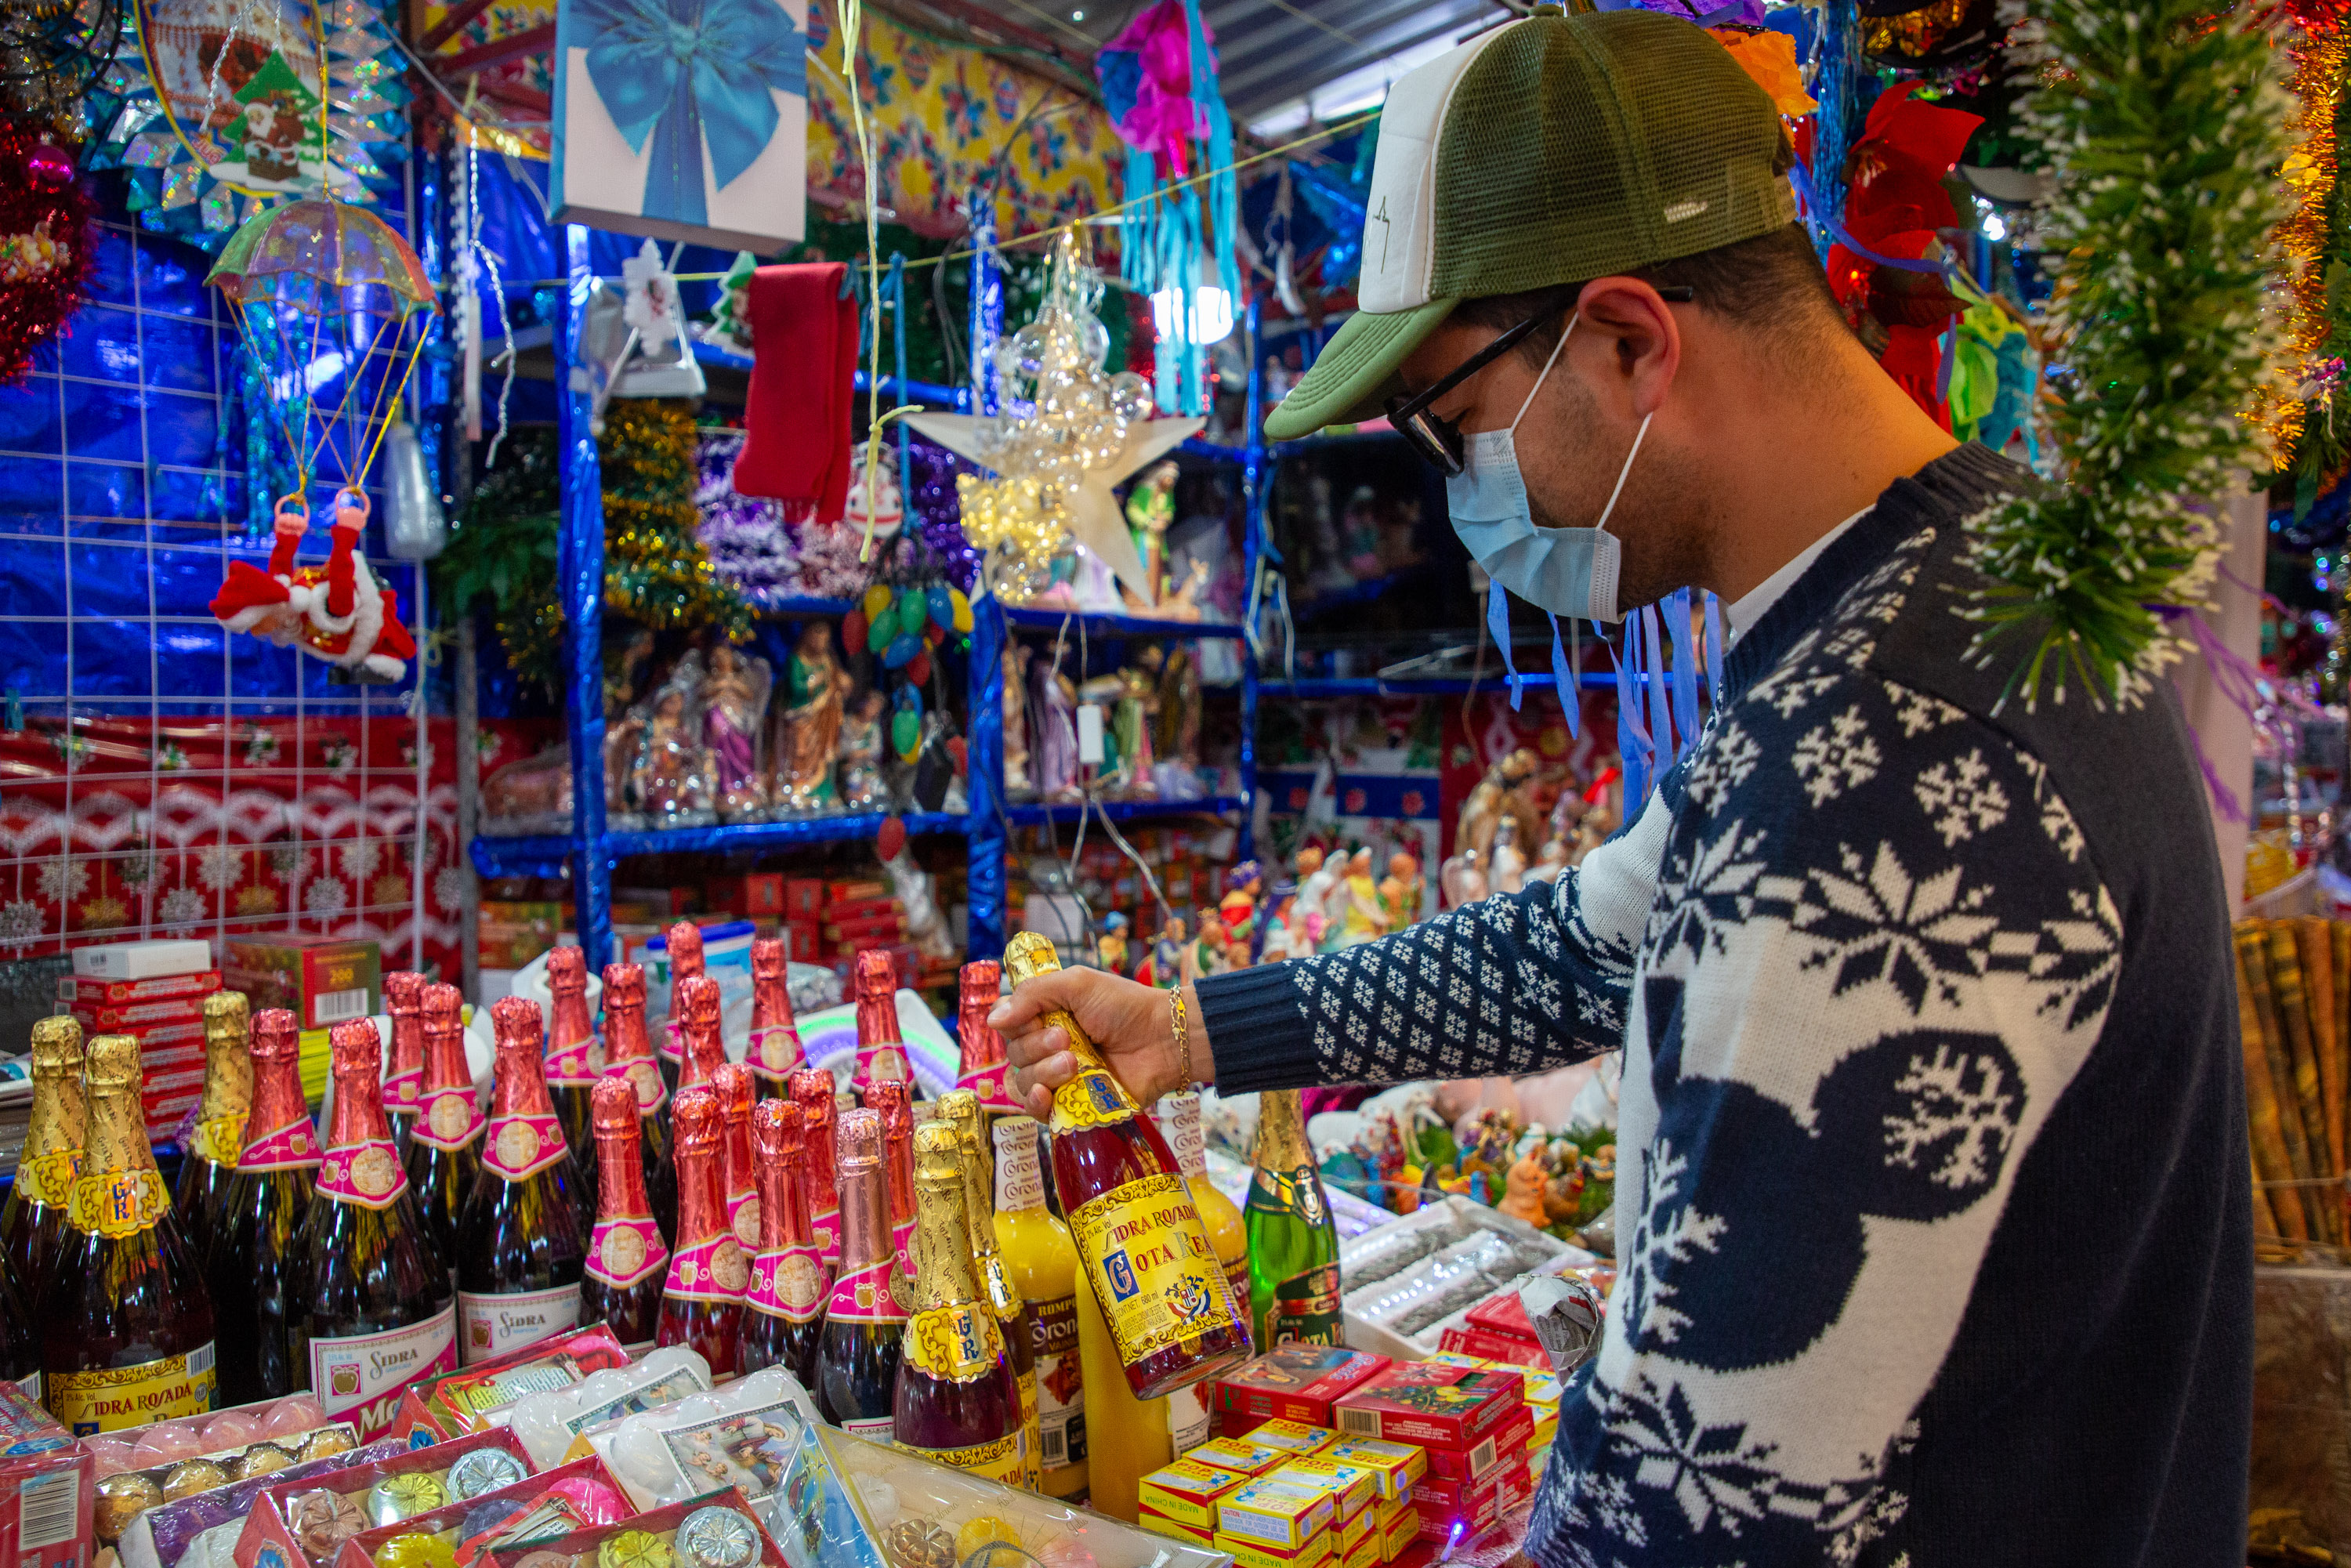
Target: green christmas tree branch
[(2163, 131)]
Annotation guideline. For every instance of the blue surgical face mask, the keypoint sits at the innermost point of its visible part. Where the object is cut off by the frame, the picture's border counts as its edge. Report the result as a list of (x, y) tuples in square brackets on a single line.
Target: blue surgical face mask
[(1568, 571)]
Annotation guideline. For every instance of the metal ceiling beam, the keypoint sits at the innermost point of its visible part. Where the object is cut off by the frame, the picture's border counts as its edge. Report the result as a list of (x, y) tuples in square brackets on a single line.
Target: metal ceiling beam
[(1241, 82)]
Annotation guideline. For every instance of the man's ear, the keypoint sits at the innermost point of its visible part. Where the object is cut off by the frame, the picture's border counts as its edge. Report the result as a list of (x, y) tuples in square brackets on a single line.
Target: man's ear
[(1647, 340)]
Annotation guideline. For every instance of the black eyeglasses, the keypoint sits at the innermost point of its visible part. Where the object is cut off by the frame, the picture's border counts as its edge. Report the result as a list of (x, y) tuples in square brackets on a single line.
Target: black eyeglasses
[(1438, 439)]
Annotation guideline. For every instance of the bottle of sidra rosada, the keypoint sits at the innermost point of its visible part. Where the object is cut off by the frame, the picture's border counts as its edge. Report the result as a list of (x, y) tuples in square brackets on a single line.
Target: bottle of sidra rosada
[(881, 1050), (737, 1177), (573, 1065), (255, 1268), (444, 1146), (775, 1050), (984, 1070), (403, 1081), (208, 1163), (702, 1301), (786, 1296), (33, 1220), (856, 1377), (887, 1097), (693, 1004), (370, 1310), (813, 1093), (683, 943), (626, 1254), (520, 1251), (1140, 1241), (629, 1056), (956, 1401), (127, 1323)]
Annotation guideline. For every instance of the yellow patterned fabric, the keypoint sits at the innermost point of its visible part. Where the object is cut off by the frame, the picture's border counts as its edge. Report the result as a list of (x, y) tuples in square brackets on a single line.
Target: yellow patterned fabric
[(943, 120)]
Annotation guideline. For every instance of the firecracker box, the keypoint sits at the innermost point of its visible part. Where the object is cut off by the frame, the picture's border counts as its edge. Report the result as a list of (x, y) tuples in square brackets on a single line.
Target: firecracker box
[(325, 980), (1493, 1348), (1546, 1430), (748, 896), (80, 988), (803, 941), (48, 1485), (1394, 1467), (1432, 1404), (1292, 1438), (1295, 1382), (300, 1526), (860, 887), (1472, 1463), (143, 960), (554, 1503), (477, 1397), (1239, 1454), (1354, 1529), (846, 912), (1368, 1553), (1278, 1513), (1317, 1550), (1478, 1502), (1398, 1531), (659, 1523), (1187, 1492), (803, 898), (1353, 1488), (867, 930), (1503, 1314), (1173, 1528), (122, 1018)]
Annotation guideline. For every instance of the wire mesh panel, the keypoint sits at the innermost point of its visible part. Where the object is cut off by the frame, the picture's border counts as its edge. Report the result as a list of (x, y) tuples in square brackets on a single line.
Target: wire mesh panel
[(160, 776)]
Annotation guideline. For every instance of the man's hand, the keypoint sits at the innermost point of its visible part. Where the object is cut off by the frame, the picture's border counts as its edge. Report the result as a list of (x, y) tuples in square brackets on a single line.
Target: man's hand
[(1132, 1026)]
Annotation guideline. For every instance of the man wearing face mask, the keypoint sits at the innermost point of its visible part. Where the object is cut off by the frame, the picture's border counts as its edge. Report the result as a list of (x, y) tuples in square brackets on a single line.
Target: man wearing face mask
[(1933, 1207)]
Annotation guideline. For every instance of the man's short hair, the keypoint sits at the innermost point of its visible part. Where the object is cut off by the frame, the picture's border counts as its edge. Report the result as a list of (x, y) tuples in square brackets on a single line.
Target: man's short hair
[(1772, 285)]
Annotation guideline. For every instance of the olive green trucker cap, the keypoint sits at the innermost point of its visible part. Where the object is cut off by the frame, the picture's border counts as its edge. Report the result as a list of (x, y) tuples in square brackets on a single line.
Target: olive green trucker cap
[(1555, 150)]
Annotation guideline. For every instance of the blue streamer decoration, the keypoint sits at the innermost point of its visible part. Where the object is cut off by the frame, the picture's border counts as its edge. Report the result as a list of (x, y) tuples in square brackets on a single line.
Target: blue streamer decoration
[(1633, 745), (1678, 623), (1498, 624), (1660, 700), (1714, 646), (1571, 696), (690, 74)]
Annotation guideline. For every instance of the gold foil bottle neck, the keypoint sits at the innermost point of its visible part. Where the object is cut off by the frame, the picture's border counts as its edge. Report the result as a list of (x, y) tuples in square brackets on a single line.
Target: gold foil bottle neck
[(1281, 1131), (227, 1013), (56, 1047), (1027, 956), (943, 1271), (114, 1066)]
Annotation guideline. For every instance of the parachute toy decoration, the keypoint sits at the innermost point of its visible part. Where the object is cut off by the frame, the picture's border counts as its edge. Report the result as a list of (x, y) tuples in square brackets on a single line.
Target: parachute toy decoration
[(331, 303)]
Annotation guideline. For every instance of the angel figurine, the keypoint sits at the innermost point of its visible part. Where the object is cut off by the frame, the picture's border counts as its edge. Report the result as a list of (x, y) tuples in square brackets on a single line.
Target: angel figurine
[(1055, 698), (1017, 785), (673, 779), (1150, 509), (862, 788), (1134, 717), (734, 703), (817, 687)]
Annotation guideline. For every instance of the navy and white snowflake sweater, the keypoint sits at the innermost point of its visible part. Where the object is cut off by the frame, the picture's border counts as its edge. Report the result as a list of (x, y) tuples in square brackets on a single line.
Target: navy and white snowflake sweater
[(1933, 1209)]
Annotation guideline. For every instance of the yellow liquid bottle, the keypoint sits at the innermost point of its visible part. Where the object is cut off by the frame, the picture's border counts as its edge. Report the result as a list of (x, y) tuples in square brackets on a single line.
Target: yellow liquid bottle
[(1126, 1438), (1043, 1262), (1179, 1122)]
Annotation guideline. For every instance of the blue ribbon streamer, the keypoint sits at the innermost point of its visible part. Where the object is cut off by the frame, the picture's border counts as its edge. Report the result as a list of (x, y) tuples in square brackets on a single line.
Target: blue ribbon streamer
[(1678, 623), (1714, 646), (1633, 748), (1571, 696), (686, 75), (1660, 701), (1498, 624)]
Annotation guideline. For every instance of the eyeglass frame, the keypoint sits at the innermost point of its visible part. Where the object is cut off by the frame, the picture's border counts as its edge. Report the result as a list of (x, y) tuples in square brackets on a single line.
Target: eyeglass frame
[(1440, 445)]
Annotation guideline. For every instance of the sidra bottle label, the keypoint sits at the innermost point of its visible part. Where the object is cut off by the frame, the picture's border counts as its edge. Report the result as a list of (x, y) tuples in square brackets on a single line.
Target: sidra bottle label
[(220, 1139), (368, 1175), (1152, 1267), (284, 1148), (574, 1065), (448, 1120), (824, 1225), (106, 1401), (48, 1179), (711, 1270), (787, 1282), (404, 1092), (775, 1050), (989, 1084), (651, 1093), (366, 1373), (864, 1295), (999, 1460), (491, 1325), (955, 1344), (522, 1145), (624, 1250)]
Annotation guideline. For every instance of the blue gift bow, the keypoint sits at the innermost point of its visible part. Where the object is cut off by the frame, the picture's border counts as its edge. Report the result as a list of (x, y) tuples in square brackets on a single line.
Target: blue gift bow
[(683, 72)]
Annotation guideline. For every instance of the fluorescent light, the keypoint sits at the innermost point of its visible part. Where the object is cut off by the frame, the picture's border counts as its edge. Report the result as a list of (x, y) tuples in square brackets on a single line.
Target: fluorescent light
[(1993, 228)]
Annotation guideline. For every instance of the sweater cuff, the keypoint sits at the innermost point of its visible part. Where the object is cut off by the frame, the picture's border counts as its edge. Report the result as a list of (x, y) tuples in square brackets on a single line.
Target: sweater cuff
[(1256, 1028)]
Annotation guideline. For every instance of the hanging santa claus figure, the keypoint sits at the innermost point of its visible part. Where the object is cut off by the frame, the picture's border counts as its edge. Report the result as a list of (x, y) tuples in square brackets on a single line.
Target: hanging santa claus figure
[(337, 611)]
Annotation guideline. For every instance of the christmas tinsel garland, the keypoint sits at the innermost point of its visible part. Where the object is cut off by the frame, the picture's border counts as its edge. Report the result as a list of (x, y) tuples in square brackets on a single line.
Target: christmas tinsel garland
[(2164, 133)]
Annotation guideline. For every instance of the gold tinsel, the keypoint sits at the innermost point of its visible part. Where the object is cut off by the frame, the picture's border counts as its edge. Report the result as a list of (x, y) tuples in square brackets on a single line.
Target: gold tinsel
[(2309, 172)]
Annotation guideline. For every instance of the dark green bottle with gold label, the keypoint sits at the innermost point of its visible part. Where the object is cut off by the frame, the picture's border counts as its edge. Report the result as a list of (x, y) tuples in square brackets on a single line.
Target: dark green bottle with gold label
[(1293, 1241)]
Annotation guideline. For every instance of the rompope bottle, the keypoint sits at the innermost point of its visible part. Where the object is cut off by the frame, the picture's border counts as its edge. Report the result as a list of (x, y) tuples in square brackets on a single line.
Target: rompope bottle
[(370, 1310), (1043, 1265), (960, 1109), (572, 1067), (1293, 1239), (33, 1220), (702, 1301), (1165, 1301), (857, 1355), (256, 1269), (629, 1055), (775, 1050), (626, 1254), (520, 1251), (957, 1400), (208, 1163), (786, 1296), (445, 1145), (127, 1322)]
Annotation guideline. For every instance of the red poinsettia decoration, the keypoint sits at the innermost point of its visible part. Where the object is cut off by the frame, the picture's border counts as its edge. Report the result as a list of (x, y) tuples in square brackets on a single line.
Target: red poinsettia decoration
[(1894, 208), (45, 243)]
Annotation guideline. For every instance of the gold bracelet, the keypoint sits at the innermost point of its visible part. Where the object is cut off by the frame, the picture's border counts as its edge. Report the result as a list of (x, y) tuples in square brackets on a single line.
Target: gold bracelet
[(1183, 1040)]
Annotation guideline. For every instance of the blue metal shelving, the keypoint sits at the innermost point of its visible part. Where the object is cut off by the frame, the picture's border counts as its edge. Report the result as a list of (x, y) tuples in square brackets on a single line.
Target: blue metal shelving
[(1095, 624), (1032, 814)]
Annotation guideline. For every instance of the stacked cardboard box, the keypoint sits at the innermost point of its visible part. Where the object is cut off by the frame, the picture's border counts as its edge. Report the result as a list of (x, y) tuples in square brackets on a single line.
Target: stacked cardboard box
[(1474, 1425), (164, 1012)]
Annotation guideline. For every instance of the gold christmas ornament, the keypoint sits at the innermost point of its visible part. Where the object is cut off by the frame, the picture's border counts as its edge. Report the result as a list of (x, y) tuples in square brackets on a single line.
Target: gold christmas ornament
[(1065, 432)]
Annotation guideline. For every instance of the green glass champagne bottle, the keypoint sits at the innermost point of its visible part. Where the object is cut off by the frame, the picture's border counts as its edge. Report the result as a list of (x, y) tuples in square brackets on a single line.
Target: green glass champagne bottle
[(1293, 1241)]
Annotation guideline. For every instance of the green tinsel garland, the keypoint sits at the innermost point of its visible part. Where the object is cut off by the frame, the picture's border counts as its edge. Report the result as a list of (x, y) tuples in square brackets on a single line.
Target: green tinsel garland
[(656, 573), (2164, 133)]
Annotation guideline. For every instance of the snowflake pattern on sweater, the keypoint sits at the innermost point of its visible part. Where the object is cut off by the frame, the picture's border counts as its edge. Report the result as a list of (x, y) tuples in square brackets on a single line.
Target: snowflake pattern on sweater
[(1855, 949)]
